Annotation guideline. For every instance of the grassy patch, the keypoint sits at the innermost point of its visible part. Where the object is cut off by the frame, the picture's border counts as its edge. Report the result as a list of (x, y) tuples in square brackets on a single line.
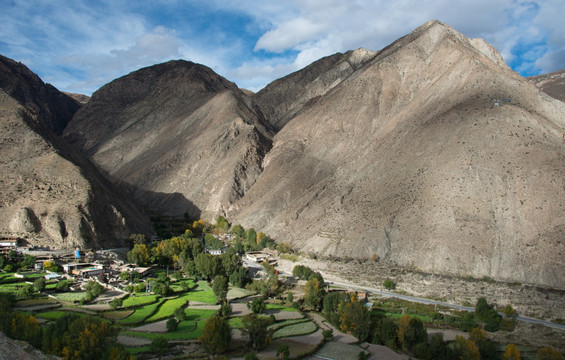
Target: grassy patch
[(52, 315), (280, 307), (296, 330), (139, 300), (203, 293), (116, 315), (70, 296), (177, 286), (235, 322), (290, 257), (281, 324), (238, 293), (167, 309), (188, 329), (141, 314)]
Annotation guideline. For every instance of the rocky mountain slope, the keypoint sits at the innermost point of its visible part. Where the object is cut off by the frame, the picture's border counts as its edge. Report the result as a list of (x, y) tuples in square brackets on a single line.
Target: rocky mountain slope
[(178, 136), (433, 154), (430, 153), (552, 84), (51, 195)]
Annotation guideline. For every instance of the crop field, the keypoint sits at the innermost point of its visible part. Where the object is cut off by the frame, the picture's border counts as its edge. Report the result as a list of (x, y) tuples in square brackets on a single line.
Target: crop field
[(177, 286), (203, 293), (139, 300), (52, 315), (295, 330), (280, 307), (188, 329), (167, 309), (70, 296), (141, 314), (35, 302), (116, 315), (238, 293)]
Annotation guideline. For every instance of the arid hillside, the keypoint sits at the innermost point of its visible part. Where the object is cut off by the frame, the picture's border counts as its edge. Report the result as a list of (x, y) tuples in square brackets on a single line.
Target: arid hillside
[(51, 195), (433, 155), (552, 84), (179, 137)]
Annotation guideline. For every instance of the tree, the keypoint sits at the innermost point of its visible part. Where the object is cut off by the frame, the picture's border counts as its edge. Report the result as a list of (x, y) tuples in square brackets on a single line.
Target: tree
[(238, 230), (220, 287), (283, 352), (25, 291), (549, 353), (216, 335), (222, 223), (172, 324), (509, 311), (160, 289), (39, 284), (487, 314), (313, 294), (257, 305), (63, 285), (207, 266), (354, 318), (137, 239), (465, 349), (328, 334), (389, 284), (28, 261), (251, 236), (256, 328), (159, 345), (139, 255), (180, 314), (116, 303), (51, 265), (240, 277), (511, 353)]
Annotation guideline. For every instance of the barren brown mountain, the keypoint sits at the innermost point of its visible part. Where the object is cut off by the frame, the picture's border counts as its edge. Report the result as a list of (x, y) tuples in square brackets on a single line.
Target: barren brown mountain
[(52, 196), (433, 155), (180, 137), (430, 153), (552, 84)]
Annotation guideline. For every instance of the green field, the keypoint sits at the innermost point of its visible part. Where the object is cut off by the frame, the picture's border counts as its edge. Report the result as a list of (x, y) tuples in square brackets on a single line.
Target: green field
[(280, 307), (116, 315), (238, 293), (141, 314), (167, 309), (188, 329), (296, 330), (70, 296), (52, 315), (203, 293), (139, 300)]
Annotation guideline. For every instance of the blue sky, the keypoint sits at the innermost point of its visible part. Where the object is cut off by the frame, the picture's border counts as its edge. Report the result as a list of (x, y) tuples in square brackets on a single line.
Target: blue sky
[(80, 45)]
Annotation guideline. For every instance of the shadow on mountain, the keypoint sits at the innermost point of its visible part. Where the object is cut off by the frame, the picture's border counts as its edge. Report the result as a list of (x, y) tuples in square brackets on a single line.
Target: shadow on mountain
[(169, 204)]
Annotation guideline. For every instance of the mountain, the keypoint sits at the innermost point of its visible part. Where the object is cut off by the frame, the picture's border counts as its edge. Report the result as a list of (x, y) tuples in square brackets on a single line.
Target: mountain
[(432, 154), (51, 195), (282, 99), (179, 137), (552, 84)]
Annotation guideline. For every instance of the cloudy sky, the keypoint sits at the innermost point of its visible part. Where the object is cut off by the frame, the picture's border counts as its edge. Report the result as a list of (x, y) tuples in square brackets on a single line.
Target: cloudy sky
[(80, 45)]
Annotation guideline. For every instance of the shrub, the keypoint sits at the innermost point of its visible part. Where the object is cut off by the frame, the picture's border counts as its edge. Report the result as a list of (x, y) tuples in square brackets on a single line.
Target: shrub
[(172, 324), (389, 284), (159, 345)]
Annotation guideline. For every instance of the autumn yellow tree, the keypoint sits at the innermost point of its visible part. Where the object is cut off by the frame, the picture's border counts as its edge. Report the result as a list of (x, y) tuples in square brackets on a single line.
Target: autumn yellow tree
[(549, 353), (511, 353), (466, 349), (313, 294)]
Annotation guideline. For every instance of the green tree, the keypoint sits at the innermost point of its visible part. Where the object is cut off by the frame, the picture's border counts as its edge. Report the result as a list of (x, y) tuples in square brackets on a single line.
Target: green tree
[(137, 239), (238, 230), (28, 261), (256, 329), (251, 236), (328, 334), (389, 284), (116, 303), (25, 291), (159, 345), (240, 277), (313, 294), (39, 284), (180, 314), (64, 285), (257, 305), (222, 223), (207, 266), (172, 324), (355, 319), (220, 287), (216, 335), (139, 254)]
